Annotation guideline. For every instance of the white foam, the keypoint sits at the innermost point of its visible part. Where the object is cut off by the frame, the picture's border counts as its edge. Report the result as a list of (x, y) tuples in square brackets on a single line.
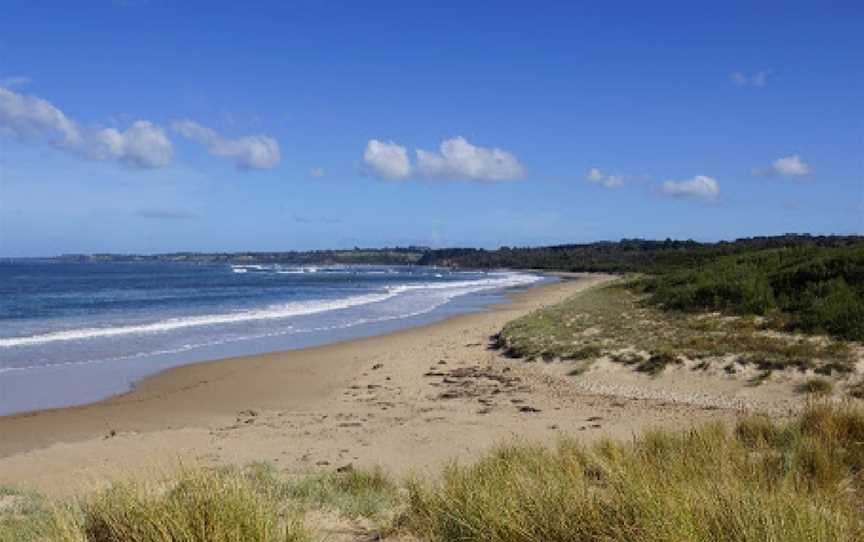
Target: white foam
[(276, 311), (443, 291)]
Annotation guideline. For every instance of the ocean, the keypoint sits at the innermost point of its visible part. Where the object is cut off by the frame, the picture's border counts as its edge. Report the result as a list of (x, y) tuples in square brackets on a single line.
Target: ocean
[(72, 333)]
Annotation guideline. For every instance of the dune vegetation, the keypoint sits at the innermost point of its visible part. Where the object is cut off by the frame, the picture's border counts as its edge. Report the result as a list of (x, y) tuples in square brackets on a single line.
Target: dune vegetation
[(622, 322), (761, 480), (813, 289), (805, 283)]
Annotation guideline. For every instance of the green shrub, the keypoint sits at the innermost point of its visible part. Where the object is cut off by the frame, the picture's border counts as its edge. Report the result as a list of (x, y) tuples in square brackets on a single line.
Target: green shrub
[(815, 289), (816, 386), (657, 362)]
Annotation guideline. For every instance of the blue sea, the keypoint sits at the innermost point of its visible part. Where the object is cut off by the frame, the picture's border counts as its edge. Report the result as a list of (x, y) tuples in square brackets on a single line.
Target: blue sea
[(73, 333)]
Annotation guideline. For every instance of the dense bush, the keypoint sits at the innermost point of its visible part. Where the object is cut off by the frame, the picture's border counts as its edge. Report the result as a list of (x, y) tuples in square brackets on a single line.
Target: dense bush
[(627, 255), (818, 289)]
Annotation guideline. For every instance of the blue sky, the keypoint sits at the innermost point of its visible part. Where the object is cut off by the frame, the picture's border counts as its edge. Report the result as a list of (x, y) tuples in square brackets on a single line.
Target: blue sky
[(161, 125)]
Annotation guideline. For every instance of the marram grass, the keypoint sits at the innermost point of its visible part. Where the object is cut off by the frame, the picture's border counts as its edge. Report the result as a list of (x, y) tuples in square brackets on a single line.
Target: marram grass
[(198, 506), (759, 481)]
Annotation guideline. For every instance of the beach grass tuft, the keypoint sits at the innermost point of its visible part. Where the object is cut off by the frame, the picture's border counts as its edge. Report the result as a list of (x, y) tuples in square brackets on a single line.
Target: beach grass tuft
[(762, 481), (816, 386), (196, 506), (350, 491)]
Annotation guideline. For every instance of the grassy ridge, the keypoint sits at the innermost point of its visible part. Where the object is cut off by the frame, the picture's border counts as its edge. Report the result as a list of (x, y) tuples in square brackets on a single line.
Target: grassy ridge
[(815, 284), (760, 481), (616, 321)]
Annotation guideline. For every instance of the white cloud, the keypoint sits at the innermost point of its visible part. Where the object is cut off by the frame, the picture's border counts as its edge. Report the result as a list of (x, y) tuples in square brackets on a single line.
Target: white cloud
[(788, 166), (248, 152), (387, 160), (32, 118), (317, 172), (596, 176), (29, 117), (142, 145), (699, 187), (758, 79), (459, 159)]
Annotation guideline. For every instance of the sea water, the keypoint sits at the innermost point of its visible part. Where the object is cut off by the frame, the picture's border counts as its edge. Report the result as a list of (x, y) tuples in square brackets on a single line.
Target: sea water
[(72, 333)]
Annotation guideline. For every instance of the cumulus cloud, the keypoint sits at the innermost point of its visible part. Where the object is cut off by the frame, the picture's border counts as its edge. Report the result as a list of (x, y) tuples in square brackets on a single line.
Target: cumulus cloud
[(143, 145), (32, 118), (758, 79), (248, 152), (387, 160), (596, 176), (458, 159), (788, 166), (699, 187)]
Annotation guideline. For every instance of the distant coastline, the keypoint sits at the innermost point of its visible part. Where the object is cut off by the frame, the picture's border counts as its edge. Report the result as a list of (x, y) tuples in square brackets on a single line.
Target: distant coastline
[(599, 256)]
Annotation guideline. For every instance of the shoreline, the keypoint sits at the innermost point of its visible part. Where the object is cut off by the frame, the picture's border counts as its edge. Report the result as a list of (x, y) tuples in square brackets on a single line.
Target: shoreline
[(184, 378), (410, 400), (108, 379)]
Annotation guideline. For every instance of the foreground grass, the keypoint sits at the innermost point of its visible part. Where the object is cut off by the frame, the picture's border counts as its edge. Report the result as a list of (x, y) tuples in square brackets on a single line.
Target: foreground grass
[(253, 504), (353, 493), (198, 506), (760, 482), (617, 321)]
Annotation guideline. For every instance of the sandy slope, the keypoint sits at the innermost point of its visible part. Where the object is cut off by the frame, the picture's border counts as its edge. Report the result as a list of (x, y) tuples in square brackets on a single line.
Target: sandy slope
[(409, 401)]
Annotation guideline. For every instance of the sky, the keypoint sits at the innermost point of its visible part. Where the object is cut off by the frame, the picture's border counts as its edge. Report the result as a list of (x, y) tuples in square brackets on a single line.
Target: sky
[(144, 126)]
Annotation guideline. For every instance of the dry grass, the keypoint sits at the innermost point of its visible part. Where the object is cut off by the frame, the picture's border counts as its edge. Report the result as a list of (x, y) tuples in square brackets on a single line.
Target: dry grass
[(856, 390), (353, 493), (252, 504), (762, 482), (198, 506)]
